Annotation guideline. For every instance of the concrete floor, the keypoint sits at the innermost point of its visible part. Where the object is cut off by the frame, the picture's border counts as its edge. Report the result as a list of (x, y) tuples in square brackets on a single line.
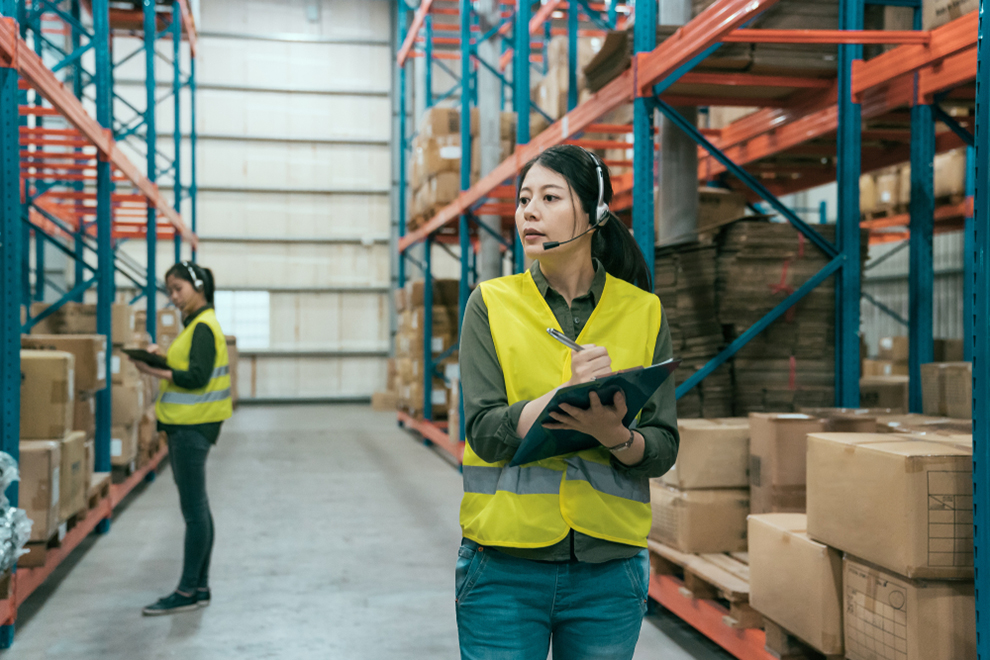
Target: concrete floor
[(336, 538)]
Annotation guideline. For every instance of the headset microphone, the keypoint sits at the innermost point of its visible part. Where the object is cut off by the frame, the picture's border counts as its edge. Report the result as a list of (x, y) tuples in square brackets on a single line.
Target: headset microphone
[(601, 210)]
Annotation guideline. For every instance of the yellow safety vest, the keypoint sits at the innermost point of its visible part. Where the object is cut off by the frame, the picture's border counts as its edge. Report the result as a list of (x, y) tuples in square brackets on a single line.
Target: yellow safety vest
[(177, 405), (537, 504)]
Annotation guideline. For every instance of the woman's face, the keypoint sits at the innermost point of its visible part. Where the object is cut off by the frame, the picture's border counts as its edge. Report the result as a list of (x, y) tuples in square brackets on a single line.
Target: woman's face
[(548, 210), (183, 294)]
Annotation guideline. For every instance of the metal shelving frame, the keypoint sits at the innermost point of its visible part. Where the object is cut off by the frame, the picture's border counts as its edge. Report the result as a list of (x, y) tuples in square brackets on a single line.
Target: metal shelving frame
[(924, 68), (66, 186)]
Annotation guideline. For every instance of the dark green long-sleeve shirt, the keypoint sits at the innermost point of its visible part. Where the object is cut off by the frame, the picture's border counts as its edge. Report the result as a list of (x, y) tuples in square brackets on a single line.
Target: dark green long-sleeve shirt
[(491, 423)]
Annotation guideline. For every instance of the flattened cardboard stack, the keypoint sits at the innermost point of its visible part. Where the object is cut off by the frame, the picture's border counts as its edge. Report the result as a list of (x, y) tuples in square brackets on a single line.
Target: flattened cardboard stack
[(409, 344), (791, 364), (550, 93), (685, 282)]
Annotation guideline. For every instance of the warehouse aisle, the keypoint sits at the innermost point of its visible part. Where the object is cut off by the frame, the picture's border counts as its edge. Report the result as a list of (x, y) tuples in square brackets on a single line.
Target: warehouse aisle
[(336, 538)]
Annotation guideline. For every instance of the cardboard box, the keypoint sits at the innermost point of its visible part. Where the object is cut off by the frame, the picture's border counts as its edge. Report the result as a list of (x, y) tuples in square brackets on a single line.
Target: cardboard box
[(887, 188), (884, 392), (47, 394), (867, 192), (123, 444), (73, 483), (128, 404), (699, 520), (899, 422), (90, 446), (38, 493), (777, 468), (901, 503), (84, 414), (948, 350), (873, 368), (384, 401), (895, 349), (958, 390), (445, 293), (90, 352), (717, 206), (950, 174), (713, 453), (794, 581), (933, 388), (122, 370), (887, 616)]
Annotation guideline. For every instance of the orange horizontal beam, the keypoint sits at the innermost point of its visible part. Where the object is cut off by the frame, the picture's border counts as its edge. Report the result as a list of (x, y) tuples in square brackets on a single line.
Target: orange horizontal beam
[(600, 144), (542, 15), (751, 80), (38, 111), (948, 73), (417, 23), (942, 213), (608, 128), (16, 53), (709, 27), (947, 40), (751, 36)]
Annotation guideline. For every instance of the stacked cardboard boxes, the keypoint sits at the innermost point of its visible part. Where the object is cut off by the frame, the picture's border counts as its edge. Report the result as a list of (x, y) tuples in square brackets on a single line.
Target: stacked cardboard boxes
[(791, 364), (700, 506), (54, 475), (550, 93), (435, 166), (901, 509), (80, 319), (889, 189), (777, 462), (947, 389), (409, 344)]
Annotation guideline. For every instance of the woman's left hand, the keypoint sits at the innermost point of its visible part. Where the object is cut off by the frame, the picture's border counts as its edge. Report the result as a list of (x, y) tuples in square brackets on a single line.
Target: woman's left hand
[(604, 423), (152, 371)]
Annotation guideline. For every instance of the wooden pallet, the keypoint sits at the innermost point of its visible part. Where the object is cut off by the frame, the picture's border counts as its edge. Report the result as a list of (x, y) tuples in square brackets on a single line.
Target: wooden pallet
[(99, 489), (887, 211), (785, 646), (720, 577), (37, 551), (120, 473)]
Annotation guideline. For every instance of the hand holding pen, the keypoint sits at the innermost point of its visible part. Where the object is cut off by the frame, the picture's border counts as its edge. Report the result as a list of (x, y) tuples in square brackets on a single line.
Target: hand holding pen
[(587, 362)]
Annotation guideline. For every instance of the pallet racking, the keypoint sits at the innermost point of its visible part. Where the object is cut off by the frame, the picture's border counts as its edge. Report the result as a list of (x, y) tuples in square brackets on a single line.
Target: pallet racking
[(65, 179), (843, 123)]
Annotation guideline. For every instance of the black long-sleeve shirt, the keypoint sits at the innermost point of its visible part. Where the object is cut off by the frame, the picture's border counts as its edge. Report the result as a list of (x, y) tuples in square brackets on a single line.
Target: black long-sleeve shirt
[(202, 360)]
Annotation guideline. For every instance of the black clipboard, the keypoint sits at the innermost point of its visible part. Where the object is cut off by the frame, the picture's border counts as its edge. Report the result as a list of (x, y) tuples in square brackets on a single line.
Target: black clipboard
[(638, 385), (151, 359)]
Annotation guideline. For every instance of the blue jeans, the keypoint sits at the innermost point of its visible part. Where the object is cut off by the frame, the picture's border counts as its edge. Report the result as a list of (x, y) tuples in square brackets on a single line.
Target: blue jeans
[(510, 608)]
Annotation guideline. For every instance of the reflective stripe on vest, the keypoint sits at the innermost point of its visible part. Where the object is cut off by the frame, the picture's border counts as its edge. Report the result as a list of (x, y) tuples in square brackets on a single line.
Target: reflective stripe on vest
[(212, 403), (537, 504)]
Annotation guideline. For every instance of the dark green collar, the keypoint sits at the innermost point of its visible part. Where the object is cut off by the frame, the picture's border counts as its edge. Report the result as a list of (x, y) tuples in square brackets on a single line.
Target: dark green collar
[(597, 284), (189, 319)]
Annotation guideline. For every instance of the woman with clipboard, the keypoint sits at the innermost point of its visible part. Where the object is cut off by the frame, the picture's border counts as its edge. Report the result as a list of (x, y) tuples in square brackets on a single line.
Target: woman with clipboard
[(193, 401), (554, 552)]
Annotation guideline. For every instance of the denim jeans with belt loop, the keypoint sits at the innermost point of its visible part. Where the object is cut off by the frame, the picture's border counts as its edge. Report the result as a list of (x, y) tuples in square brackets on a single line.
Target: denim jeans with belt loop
[(510, 608)]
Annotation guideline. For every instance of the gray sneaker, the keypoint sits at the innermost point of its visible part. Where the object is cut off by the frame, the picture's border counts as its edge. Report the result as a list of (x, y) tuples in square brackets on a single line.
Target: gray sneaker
[(173, 604), (203, 597)]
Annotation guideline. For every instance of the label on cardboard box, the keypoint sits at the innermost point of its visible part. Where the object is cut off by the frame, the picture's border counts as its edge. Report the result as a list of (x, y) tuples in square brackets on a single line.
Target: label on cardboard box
[(438, 345), (167, 320), (101, 365), (115, 364), (56, 478), (439, 397), (116, 446)]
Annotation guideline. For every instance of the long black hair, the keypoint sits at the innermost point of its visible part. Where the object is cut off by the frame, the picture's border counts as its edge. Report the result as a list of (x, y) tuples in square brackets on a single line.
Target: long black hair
[(611, 243), (190, 272)]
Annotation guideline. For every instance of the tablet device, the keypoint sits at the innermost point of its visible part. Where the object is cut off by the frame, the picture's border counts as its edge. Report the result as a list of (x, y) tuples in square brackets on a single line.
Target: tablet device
[(637, 384), (151, 359)]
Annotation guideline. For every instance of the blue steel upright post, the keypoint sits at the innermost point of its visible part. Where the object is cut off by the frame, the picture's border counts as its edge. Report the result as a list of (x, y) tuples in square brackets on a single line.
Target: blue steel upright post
[(463, 289), (848, 158), (151, 140), (177, 130), (104, 250), (968, 252), (10, 271), (572, 54), (401, 193), (921, 274), (77, 91), (520, 101), (644, 229), (192, 148), (981, 344)]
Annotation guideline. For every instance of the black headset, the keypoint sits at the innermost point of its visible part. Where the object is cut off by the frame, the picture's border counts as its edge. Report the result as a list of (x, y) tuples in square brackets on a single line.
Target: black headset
[(197, 282)]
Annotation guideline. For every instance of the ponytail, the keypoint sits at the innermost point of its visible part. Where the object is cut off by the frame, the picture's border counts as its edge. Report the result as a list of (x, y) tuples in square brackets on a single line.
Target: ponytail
[(614, 246), (209, 286)]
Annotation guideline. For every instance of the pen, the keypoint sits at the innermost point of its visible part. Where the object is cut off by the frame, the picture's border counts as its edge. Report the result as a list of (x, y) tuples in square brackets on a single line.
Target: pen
[(563, 339)]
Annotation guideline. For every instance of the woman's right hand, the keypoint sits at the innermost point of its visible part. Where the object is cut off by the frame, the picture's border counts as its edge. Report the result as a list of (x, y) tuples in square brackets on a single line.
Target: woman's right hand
[(153, 349), (593, 362)]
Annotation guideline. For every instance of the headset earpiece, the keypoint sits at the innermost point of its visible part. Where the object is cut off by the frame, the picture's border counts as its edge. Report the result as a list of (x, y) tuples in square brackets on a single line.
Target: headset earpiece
[(197, 282), (601, 209)]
